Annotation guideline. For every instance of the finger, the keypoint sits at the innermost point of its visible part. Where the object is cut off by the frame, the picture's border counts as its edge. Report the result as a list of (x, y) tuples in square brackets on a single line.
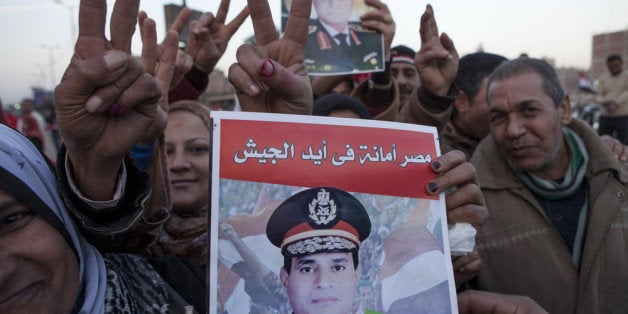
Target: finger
[(235, 24), (461, 174), (184, 62), (140, 20), (377, 5), (473, 267), (148, 32), (262, 19), (223, 9), (92, 19), (242, 81), (298, 21), (182, 19), (464, 260), (205, 20), (465, 194), (106, 96), (426, 57), (474, 214), (448, 161), (381, 12), (448, 44), (194, 42), (428, 28), (280, 79), (167, 61), (145, 91), (91, 74), (122, 24)]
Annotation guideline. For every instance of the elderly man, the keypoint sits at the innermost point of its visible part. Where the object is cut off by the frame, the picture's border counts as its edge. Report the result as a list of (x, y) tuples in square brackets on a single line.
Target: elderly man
[(319, 232), (556, 198)]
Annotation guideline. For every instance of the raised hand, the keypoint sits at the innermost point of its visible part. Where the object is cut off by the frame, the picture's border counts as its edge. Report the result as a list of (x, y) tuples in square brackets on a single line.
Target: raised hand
[(380, 20), (272, 77), (437, 60), (210, 35), (106, 100)]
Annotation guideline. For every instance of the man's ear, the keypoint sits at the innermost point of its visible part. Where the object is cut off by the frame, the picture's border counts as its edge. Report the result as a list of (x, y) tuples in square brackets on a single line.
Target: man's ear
[(358, 271), (565, 110), (462, 102), (283, 276)]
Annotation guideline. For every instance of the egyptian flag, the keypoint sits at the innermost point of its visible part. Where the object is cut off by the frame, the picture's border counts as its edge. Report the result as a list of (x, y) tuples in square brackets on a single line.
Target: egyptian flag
[(414, 274)]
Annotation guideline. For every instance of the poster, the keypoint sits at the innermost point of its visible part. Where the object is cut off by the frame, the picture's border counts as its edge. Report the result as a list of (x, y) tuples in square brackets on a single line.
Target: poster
[(337, 43), (261, 162)]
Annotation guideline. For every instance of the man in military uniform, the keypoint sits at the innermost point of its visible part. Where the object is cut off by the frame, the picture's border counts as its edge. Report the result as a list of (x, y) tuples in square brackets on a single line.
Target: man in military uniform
[(319, 232), (336, 46)]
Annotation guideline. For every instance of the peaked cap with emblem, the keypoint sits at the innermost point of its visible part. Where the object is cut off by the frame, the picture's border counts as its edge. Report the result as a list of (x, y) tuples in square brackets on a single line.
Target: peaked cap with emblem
[(318, 220)]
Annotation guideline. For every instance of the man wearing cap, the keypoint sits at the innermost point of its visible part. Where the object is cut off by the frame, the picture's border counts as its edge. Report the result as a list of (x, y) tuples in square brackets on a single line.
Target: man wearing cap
[(319, 232), (403, 71), (336, 46)]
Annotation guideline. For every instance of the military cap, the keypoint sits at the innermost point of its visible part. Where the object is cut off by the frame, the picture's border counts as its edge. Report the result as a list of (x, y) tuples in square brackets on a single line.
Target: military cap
[(318, 220)]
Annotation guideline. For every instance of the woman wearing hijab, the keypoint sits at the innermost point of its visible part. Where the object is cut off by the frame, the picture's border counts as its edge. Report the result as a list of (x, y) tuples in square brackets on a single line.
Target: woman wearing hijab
[(187, 143), (47, 266)]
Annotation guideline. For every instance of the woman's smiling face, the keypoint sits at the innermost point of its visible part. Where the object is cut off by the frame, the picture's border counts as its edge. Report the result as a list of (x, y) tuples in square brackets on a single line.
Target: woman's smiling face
[(39, 272)]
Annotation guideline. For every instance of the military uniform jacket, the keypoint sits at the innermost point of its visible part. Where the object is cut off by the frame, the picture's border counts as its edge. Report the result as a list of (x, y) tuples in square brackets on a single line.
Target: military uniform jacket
[(324, 55), (522, 253)]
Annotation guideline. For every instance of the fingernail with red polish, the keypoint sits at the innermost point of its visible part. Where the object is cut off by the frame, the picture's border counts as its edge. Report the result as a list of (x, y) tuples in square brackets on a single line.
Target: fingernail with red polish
[(115, 110), (267, 68)]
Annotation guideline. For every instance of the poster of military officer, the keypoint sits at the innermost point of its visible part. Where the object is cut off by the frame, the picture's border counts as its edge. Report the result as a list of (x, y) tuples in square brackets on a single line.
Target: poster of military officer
[(305, 221), (337, 42)]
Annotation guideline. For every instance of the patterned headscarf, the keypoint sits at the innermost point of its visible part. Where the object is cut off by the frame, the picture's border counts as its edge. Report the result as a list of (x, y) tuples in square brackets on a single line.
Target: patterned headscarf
[(25, 174)]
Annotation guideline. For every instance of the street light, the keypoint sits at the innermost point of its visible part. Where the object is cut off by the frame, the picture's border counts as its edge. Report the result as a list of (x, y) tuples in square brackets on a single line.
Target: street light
[(53, 76)]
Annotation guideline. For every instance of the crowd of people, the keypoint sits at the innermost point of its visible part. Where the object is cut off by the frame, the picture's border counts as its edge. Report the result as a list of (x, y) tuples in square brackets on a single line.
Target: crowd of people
[(117, 222)]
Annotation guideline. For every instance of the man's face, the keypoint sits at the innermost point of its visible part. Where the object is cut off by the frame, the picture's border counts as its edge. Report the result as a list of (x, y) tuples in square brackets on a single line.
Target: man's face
[(321, 283), (475, 118), (407, 77), (335, 13), (615, 66), (526, 125)]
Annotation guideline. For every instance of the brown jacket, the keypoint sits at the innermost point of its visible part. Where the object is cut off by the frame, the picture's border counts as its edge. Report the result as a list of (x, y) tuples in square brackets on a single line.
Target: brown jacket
[(452, 138), (523, 253), (423, 108)]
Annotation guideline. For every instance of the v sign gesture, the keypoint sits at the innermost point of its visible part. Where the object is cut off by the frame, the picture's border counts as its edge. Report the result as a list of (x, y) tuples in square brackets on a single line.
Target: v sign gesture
[(272, 77)]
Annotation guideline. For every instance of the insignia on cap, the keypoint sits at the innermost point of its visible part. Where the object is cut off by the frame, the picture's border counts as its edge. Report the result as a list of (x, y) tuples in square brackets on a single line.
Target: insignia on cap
[(318, 244), (322, 208)]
